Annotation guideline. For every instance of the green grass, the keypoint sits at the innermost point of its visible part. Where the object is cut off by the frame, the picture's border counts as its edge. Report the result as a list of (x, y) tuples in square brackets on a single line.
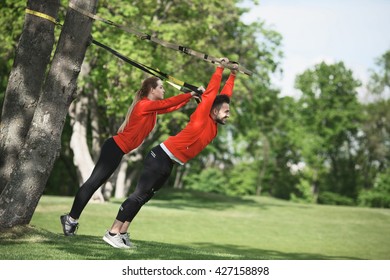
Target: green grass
[(198, 226)]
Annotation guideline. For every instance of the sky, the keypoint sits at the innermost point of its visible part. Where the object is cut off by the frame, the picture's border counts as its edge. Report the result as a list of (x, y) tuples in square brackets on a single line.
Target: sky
[(354, 32)]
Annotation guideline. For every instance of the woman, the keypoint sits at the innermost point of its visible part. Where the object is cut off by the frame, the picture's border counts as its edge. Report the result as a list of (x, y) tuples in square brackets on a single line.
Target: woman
[(139, 122)]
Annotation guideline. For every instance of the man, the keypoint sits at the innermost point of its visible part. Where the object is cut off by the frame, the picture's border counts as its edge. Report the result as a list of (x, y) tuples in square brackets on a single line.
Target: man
[(199, 132)]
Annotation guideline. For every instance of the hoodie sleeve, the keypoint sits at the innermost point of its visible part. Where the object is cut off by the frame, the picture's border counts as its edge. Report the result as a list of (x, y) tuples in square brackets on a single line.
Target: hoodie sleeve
[(166, 105), (229, 85), (203, 109)]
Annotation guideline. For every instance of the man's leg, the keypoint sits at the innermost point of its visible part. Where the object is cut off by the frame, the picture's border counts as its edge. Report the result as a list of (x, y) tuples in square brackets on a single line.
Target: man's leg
[(156, 171)]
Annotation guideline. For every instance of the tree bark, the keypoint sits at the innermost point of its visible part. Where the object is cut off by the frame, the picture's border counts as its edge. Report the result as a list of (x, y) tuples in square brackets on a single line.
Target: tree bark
[(120, 186), (25, 83), (82, 158), (96, 145), (28, 179), (123, 180), (79, 112), (263, 165), (94, 113), (78, 142)]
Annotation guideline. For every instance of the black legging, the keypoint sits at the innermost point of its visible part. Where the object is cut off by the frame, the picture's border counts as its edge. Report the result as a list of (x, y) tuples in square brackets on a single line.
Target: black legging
[(109, 159), (157, 168)]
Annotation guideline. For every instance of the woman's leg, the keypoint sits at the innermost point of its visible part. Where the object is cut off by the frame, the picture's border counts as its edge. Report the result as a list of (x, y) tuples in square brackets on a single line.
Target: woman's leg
[(109, 159)]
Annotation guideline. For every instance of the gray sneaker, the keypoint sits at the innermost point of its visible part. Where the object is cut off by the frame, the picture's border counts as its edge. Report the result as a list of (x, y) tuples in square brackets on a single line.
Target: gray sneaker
[(115, 241), (68, 227), (126, 239)]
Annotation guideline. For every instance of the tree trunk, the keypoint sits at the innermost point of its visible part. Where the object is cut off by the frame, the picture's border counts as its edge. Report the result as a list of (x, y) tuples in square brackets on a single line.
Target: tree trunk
[(120, 186), (96, 144), (123, 180), (79, 112), (181, 172), (25, 83), (315, 186), (78, 142), (28, 179), (263, 165)]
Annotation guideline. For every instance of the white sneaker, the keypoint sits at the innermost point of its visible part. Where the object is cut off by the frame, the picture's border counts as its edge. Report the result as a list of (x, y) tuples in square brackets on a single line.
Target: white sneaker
[(115, 241)]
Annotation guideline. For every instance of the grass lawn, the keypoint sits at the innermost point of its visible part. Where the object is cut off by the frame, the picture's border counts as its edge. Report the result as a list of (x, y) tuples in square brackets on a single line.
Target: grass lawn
[(198, 226)]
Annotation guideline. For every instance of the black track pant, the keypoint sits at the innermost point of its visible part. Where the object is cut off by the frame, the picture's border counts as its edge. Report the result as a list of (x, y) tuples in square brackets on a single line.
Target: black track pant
[(156, 171), (109, 159)]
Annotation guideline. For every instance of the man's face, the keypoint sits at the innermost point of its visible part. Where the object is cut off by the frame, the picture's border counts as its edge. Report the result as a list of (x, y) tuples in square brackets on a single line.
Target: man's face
[(223, 114)]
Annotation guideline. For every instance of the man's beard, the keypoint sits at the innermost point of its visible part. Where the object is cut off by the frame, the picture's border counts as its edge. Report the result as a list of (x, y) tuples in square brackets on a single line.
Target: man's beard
[(221, 121)]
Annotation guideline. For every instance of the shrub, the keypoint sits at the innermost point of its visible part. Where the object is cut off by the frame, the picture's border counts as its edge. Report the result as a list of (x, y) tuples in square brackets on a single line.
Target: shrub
[(379, 195), (331, 198), (242, 180), (374, 198), (209, 180)]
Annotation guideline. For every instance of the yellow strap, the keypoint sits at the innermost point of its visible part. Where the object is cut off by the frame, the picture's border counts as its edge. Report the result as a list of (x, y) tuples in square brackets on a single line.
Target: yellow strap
[(176, 81), (174, 85), (41, 15)]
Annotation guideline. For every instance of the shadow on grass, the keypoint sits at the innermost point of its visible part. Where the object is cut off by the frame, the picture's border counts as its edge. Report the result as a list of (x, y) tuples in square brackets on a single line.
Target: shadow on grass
[(29, 243), (247, 253), (181, 199)]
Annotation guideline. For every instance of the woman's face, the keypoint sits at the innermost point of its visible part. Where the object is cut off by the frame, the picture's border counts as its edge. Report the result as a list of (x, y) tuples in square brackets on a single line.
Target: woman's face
[(158, 92)]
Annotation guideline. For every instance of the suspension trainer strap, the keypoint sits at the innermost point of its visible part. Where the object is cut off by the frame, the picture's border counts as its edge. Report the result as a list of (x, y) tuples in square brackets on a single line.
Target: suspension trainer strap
[(41, 15), (124, 58), (180, 85), (145, 36)]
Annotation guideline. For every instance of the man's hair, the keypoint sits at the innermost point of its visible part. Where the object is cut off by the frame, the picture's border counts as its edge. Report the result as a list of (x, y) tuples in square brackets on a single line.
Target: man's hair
[(219, 100)]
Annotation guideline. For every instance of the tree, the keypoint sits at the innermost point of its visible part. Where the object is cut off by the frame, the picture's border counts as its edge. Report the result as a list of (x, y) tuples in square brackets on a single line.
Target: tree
[(375, 133), (379, 83), (331, 116), (41, 146), (27, 75), (375, 138), (284, 138)]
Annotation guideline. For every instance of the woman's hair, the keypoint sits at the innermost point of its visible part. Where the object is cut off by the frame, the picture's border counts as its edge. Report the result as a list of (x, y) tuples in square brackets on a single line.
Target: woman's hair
[(147, 85)]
